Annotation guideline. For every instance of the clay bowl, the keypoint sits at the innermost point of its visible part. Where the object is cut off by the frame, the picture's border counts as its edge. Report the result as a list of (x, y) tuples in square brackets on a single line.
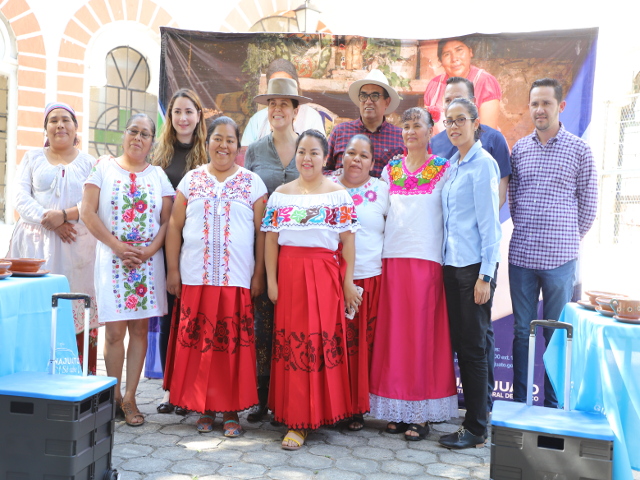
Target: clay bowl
[(4, 266), (605, 301), (26, 265), (593, 294)]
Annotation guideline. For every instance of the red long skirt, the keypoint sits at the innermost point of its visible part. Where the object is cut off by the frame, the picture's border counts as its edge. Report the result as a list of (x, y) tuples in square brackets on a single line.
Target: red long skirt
[(214, 361), (309, 366), (360, 332)]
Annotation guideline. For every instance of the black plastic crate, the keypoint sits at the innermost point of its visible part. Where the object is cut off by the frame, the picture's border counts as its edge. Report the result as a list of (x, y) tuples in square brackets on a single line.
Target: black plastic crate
[(56, 427)]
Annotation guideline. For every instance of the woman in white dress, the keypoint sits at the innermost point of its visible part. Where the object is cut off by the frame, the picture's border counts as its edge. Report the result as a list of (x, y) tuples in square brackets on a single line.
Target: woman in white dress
[(48, 198), (127, 204)]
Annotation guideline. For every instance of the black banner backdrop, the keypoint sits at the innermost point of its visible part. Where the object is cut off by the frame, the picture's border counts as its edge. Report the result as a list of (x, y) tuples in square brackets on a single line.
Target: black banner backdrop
[(227, 71)]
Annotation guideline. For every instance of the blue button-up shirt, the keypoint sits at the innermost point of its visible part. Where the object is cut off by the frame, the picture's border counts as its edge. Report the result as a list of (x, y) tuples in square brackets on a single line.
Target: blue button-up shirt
[(472, 229)]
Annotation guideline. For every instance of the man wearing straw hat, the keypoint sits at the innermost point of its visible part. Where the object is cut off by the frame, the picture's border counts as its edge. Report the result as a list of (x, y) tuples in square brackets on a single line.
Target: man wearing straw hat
[(375, 98)]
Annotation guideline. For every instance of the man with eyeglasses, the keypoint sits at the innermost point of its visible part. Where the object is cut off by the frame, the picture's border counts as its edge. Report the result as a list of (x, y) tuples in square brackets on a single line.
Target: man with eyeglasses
[(553, 197), (492, 140), (375, 98)]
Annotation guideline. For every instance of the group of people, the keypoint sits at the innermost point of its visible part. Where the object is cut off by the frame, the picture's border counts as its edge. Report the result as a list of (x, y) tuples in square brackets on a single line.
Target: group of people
[(324, 279)]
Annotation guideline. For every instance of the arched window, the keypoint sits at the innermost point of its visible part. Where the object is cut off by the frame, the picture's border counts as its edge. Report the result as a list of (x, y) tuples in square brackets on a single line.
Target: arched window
[(125, 93), (8, 72)]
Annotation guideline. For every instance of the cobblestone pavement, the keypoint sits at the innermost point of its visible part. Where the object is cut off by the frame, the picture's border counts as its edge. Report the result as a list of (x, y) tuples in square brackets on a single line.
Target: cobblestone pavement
[(168, 447)]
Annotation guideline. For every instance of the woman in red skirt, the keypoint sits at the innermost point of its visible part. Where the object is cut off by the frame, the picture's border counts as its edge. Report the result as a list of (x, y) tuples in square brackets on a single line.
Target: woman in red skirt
[(371, 198), (217, 211), (310, 281)]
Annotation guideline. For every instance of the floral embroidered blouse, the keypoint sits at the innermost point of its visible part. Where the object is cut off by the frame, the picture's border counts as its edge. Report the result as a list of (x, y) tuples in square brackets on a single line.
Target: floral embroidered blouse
[(129, 206), (315, 220), (372, 204), (414, 227), (219, 232)]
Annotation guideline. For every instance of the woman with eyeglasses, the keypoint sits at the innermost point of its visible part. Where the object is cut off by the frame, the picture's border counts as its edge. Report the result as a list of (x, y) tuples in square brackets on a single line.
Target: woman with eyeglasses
[(471, 246), (412, 379), (180, 149), (126, 206)]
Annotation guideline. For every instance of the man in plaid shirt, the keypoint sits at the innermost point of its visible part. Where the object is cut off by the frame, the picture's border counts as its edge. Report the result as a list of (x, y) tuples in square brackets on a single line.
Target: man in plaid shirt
[(553, 199), (375, 98)]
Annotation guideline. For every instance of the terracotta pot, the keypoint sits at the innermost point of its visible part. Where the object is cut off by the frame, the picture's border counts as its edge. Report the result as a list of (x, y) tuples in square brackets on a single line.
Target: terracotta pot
[(25, 264), (4, 266)]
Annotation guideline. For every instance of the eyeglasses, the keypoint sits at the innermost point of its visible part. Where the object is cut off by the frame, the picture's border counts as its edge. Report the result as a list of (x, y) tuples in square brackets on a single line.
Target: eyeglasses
[(135, 133), (458, 121), (375, 96)]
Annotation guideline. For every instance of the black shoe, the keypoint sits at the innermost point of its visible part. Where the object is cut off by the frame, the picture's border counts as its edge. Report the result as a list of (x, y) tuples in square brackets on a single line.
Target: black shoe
[(463, 438), (257, 413), (165, 407), (181, 411)]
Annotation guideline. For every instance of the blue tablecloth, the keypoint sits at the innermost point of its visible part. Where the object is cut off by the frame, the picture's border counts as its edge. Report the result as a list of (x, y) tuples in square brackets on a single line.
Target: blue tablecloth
[(25, 326), (605, 374)]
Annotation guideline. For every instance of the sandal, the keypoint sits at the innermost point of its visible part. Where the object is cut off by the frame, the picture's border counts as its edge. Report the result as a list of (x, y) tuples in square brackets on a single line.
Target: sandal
[(205, 423), (422, 432), (396, 427), (131, 412), (119, 412), (296, 436), (356, 424), (232, 431)]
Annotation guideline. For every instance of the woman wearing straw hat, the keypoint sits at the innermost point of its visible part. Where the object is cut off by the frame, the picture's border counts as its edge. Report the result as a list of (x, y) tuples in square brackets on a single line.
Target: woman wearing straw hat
[(49, 190), (273, 159)]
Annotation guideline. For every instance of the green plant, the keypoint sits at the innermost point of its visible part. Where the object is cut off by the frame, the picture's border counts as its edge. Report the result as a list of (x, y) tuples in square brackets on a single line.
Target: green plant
[(385, 52)]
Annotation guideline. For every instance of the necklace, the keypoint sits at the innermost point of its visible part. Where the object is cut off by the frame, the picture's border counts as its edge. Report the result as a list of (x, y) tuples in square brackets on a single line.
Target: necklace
[(305, 191)]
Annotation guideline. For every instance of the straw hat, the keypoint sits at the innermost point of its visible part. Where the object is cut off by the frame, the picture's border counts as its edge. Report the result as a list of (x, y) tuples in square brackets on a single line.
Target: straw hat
[(281, 88), (375, 77)]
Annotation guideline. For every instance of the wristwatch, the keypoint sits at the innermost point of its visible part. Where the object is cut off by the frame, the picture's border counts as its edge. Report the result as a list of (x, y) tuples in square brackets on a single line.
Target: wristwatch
[(484, 278)]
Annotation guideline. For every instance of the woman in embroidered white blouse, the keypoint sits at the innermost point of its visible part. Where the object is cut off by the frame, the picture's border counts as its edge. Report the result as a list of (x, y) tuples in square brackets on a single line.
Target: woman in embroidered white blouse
[(309, 257)]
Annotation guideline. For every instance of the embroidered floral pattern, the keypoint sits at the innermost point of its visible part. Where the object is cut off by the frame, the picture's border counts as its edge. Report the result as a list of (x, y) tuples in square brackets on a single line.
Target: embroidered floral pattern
[(227, 334), (309, 353), (335, 218), (422, 181), (132, 221), (218, 198)]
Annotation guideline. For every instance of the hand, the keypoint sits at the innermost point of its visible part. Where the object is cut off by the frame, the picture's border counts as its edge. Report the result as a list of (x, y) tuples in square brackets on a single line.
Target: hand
[(481, 292), (352, 298), (52, 219), (66, 232), (257, 285), (272, 291), (128, 254), (174, 283), (145, 254)]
